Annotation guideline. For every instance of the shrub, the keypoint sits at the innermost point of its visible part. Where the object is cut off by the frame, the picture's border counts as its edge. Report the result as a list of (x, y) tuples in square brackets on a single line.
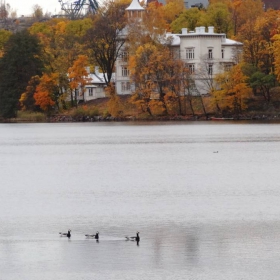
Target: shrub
[(31, 116)]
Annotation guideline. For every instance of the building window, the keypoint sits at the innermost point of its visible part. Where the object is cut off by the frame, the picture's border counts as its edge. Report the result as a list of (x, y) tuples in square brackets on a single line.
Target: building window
[(223, 53), (124, 56), (227, 67), (190, 53), (210, 69), (190, 68), (210, 53), (90, 92), (125, 71), (125, 86)]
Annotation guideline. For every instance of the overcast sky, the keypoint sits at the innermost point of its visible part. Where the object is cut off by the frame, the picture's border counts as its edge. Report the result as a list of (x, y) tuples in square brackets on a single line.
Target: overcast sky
[(25, 7)]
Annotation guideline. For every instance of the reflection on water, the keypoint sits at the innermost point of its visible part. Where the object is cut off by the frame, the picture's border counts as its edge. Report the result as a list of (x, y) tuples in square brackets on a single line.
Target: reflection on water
[(200, 214)]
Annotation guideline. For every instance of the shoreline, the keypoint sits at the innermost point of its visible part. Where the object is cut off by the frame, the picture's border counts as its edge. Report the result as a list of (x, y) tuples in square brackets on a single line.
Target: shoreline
[(70, 119)]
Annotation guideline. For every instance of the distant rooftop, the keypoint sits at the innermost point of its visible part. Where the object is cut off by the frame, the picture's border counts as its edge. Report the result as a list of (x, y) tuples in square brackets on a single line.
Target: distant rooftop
[(135, 6)]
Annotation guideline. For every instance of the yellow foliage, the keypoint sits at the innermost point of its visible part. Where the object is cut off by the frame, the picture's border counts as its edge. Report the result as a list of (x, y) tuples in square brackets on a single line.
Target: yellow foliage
[(234, 90), (115, 107), (156, 107), (276, 48), (173, 9), (171, 101)]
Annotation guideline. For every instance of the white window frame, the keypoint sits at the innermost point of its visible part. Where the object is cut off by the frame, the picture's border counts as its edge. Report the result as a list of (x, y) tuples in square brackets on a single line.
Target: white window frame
[(189, 53), (227, 67), (124, 56), (210, 53), (90, 91), (125, 71), (210, 69), (125, 86), (191, 67)]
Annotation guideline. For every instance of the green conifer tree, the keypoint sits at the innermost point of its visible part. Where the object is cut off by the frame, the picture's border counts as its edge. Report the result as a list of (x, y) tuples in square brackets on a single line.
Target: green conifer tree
[(21, 61)]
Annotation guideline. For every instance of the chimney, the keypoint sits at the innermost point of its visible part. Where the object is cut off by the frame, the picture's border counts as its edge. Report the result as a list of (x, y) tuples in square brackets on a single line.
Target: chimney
[(211, 29), (88, 69), (184, 31), (202, 29), (96, 70)]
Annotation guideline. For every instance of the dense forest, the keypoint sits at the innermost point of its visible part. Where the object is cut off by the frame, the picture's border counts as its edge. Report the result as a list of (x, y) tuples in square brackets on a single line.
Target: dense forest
[(42, 65)]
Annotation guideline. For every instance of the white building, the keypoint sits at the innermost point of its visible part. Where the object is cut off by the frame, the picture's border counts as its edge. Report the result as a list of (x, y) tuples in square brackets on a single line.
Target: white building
[(95, 88), (205, 53)]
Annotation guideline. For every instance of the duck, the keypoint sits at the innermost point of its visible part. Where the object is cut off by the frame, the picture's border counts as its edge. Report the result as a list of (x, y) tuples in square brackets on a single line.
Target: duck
[(134, 238), (96, 236), (68, 234)]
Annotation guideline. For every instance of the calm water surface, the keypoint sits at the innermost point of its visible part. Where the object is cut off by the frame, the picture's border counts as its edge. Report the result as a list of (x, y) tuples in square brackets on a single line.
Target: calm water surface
[(204, 196)]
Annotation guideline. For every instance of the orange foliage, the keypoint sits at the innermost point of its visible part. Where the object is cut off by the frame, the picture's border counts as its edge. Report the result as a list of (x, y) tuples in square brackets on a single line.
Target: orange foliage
[(44, 95), (78, 73)]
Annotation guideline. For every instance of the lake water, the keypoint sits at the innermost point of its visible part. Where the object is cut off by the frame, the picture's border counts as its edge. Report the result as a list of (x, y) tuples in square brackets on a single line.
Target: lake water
[(204, 196)]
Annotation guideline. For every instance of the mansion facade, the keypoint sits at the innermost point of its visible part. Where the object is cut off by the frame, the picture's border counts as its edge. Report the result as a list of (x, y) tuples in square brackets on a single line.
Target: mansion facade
[(204, 52)]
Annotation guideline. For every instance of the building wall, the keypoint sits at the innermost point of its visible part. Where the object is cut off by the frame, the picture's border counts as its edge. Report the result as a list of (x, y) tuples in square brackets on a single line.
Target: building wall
[(213, 53), (94, 92), (123, 84)]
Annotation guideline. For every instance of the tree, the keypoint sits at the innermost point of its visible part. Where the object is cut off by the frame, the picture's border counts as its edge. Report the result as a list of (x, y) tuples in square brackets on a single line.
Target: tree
[(37, 12), (4, 37), (46, 92), (163, 82), (241, 11), (218, 15), (27, 101), (233, 91), (276, 49), (21, 61), (263, 83), (115, 107), (189, 18), (78, 74), (173, 9), (62, 43), (103, 39)]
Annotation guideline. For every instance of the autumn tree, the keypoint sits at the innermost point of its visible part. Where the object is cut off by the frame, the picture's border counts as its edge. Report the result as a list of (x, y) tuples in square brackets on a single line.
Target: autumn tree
[(172, 10), (179, 84), (46, 92), (163, 82), (62, 43), (27, 101), (232, 91), (276, 48), (241, 11), (189, 18), (218, 15), (4, 37), (114, 105), (78, 74), (21, 61), (103, 38)]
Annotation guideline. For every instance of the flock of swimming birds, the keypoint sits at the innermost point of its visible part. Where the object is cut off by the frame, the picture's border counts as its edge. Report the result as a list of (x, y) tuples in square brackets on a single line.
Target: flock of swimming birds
[(96, 236)]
